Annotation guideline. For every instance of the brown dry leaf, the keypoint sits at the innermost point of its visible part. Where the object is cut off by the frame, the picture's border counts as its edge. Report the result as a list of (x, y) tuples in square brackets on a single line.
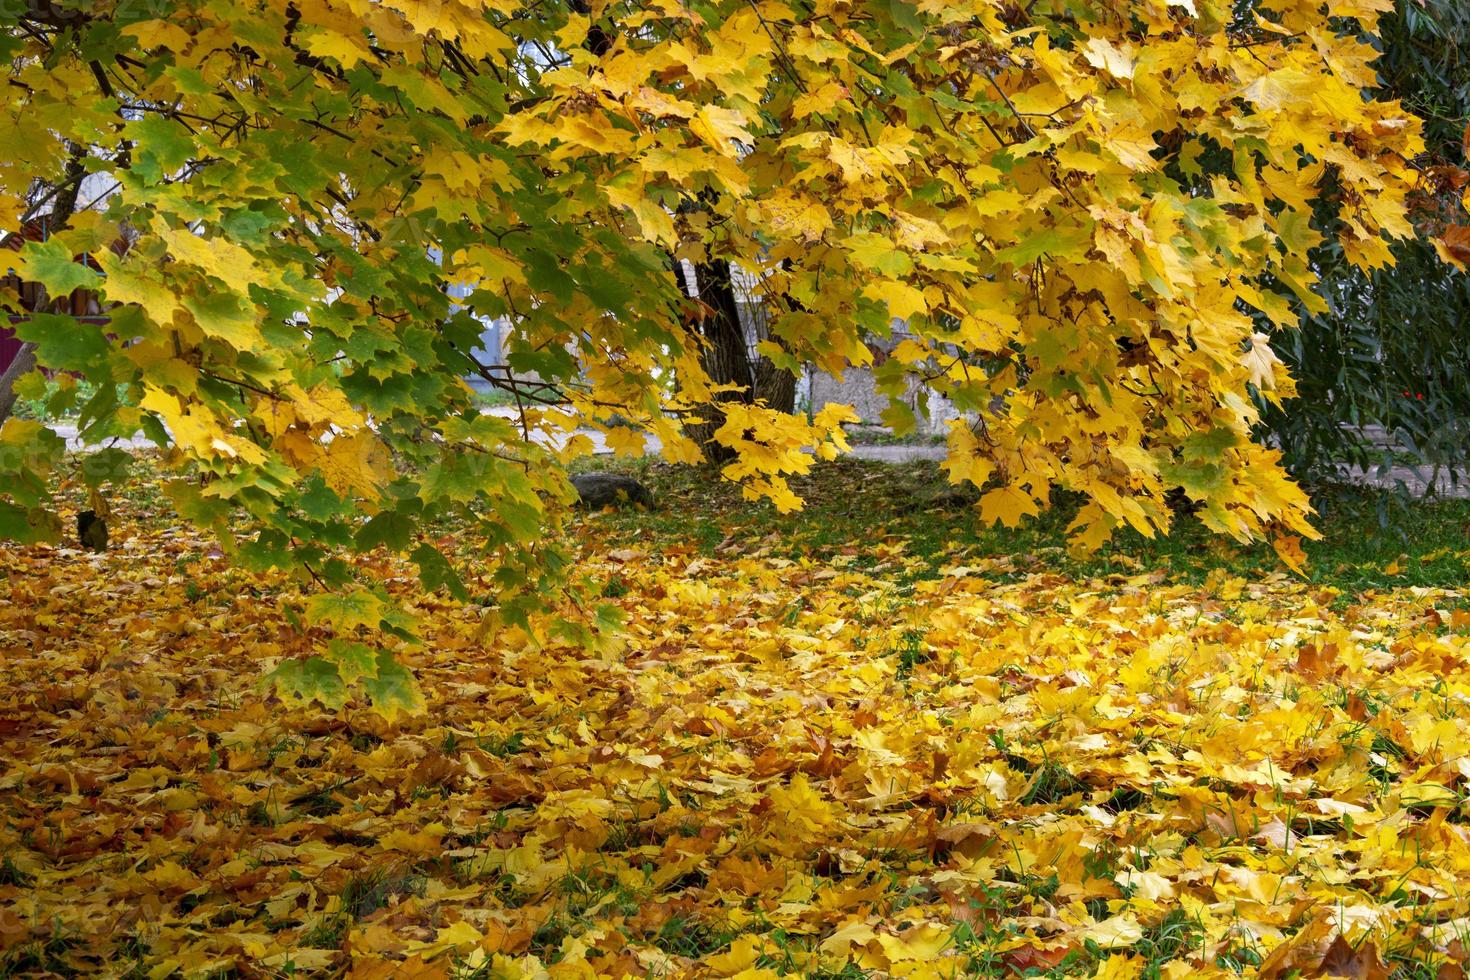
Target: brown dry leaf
[(1361, 962), (1454, 246), (1304, 950), (1317, 659), (1289, 549)]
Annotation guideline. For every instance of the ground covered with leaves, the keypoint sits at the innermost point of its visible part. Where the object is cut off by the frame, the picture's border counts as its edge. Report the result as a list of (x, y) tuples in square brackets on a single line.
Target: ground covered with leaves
[(876, 742)]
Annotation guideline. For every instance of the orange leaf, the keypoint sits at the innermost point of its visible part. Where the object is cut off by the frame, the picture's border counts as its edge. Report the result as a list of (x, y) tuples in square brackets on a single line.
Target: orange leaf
[(1454, 247), (1289, 550), (1342, 960)]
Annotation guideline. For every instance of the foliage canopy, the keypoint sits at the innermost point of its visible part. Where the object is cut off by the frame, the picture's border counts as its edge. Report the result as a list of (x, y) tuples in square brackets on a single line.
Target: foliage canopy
[(1074, 204)]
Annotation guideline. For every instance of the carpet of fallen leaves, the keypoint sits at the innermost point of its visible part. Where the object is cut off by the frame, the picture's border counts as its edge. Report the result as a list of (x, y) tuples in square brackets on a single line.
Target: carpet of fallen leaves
[(798, 767)]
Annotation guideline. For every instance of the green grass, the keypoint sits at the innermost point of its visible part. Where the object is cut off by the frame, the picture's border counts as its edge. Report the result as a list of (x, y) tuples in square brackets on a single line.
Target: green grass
[(866, 515), (494, 398), (55, 399), (875, 435), (362, 895), (1372, 539)]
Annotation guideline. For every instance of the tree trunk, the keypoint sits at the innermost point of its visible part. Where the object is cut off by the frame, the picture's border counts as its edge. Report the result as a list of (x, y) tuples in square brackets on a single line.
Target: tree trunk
[(63, 206), (25, 361), (725, 355), (775, 386)]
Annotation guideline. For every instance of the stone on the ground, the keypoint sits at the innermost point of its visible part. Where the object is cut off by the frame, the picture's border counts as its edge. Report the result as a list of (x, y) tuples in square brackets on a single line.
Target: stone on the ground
[(951, 497), (92, 531), (599, 490)]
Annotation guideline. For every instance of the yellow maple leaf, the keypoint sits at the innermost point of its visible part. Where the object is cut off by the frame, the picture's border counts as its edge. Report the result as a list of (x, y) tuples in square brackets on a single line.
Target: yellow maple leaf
[(1288, 548), (625, 440), (1007, 505), (800, 806)]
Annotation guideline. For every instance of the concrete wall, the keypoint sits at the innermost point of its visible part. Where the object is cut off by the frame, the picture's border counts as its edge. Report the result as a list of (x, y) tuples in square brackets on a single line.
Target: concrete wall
[(858, 389)]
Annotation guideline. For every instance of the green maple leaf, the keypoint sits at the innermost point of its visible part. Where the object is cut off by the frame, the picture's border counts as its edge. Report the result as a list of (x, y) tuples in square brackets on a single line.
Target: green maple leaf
[(879, 252), (346, 610), (28, 525), (163, 146), (435, 571), (312, 679), (1209, 445), (899, 417), (389, 528), (65, 342), (393, 690), (353, 661), (52, 264), (1051, 241)]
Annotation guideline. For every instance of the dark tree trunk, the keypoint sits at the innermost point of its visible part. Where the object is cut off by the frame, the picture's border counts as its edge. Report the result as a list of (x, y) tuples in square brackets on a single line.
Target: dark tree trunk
[(25, 360), (63, 206), (728, 353), (725, 355), (775, 386)]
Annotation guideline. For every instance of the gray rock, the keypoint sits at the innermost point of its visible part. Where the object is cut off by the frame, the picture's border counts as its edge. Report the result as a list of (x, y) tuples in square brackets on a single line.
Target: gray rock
[(92, 530), (950, 497), (599, 490)]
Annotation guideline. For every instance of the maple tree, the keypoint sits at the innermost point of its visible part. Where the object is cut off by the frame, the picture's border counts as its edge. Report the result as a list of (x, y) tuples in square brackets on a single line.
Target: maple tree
[(1072, 204)]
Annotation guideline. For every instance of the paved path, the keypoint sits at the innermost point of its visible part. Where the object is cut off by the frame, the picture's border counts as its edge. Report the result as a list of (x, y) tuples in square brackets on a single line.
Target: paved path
[(74, 443), (882, 454), (1417, 483), (898, 454)]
